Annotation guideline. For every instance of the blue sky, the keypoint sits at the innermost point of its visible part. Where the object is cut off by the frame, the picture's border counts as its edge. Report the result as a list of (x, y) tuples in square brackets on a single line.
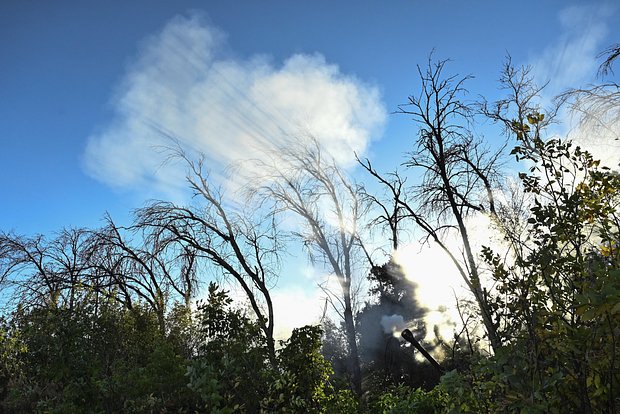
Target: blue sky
[(61, 64), (76, 77)]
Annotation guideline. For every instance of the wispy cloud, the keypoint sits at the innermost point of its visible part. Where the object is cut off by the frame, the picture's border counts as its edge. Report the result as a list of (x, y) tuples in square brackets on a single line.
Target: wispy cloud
[(571, 61), (183, 85)]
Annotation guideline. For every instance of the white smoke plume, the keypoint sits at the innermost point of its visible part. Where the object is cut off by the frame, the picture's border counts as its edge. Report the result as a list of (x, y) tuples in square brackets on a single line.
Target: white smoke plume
[(182, 85), (393, 324)]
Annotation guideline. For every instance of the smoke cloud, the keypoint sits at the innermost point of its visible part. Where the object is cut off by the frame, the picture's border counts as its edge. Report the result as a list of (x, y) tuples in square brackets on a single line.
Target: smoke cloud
[(571, 60), (393, 324), (182, 86), (572, 63)]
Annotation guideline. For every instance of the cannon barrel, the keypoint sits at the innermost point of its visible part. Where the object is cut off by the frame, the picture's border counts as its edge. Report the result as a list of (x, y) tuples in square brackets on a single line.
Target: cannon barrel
[(408, 336)]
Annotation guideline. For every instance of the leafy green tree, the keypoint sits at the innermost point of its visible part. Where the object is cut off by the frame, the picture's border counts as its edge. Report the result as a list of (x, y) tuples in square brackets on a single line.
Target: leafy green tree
[(405, 400), (82, 360), (562, 294), (231, 369), (303, 384), (233, 373), (558, 293)]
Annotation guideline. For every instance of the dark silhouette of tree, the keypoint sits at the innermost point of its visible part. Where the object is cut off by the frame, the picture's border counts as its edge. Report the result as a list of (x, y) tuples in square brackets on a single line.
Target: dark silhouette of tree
[(459, 176), (610, 54), (40, 271), (232, 244), (140, 268), (109, 263), (334, 348)]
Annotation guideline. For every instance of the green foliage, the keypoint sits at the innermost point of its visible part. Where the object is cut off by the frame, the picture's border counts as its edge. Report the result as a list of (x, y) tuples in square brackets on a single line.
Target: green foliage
[(231, 369), (96, 358), (301, 359), (303, 384), (12, 349), (405, 400), (558, 300), (233, 372), (101, 357)]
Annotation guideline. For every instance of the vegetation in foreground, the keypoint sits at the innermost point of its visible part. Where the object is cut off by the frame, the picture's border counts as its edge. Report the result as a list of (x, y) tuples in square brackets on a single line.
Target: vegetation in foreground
[(103, 320)]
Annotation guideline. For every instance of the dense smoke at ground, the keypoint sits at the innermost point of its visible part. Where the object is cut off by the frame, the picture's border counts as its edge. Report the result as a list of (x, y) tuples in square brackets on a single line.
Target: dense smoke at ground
[(381, 322)]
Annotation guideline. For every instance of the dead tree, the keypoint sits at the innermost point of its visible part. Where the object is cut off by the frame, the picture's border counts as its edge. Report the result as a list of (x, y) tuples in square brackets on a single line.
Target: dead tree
[(459, 175), (610, 54), (136, 266), (305, 182), (234, 244), (597, 109), (390, 206), (46, 272)]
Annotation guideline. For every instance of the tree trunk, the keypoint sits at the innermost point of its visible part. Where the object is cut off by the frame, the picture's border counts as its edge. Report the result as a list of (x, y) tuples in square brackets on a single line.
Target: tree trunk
[(354, 359)]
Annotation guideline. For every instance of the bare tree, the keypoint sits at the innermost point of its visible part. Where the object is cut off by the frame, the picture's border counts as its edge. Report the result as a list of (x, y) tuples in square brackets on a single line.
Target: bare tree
[(390, 206), (108, 262), (38, 271), (597, 109), (235, 244), (459, 176), (610, 54), (306, 182), (139, 267)]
